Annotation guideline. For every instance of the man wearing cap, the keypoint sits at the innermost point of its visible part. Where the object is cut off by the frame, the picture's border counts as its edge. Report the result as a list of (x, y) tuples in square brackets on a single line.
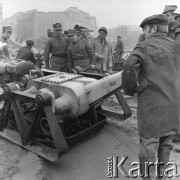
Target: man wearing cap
[(103, 52), (6, 33), (152, 71), (26, 53), (168, 11), (57, 47), (80, 53), (118, 52), (119, 47), (176, 34), (80, 31)]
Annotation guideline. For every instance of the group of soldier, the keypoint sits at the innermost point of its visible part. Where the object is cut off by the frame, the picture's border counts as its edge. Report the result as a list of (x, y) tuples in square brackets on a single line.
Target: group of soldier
[(70, 51), (75, 53)]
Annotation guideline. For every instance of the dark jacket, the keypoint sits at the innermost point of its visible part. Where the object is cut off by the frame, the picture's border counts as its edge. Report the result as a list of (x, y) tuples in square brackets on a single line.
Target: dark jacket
[(176, 35), (81, 54), (119, 48), (57, 47), (155, 63), (171, 30), (141, 38), (26, 54)]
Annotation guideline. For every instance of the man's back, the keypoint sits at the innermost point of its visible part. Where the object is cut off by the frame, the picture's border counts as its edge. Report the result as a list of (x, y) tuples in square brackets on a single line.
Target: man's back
[(119, 46), (26, 54), (159, 82)]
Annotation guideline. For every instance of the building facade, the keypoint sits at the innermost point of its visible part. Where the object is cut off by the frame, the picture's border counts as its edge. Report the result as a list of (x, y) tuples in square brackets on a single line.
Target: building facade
[(34, 24), (1, 17)]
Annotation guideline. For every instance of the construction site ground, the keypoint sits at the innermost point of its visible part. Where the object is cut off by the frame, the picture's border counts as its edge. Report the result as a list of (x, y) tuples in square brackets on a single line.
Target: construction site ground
[(86, 161)]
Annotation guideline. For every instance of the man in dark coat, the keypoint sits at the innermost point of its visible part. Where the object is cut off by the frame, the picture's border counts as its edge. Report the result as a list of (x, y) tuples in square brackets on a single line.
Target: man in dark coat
[(119, 47), (57, 47), (153, 71), (26, 53), (176, 34), (168, 11)]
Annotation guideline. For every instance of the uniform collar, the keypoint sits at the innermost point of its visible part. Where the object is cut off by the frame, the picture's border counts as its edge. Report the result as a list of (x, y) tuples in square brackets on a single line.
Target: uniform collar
[(158, 34)]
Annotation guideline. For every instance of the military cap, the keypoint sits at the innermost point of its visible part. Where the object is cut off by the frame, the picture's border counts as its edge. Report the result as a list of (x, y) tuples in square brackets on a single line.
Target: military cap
[(103, 29), (169, 8), (155, 19), (57, 26), (79, 28), (7, 28), (30, 42)]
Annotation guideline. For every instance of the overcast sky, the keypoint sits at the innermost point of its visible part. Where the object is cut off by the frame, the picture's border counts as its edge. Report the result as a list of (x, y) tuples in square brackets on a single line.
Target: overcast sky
[(109, 13)]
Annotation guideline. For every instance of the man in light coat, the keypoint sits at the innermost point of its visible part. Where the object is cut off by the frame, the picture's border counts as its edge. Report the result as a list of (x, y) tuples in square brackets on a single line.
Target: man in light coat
[(103, 52)]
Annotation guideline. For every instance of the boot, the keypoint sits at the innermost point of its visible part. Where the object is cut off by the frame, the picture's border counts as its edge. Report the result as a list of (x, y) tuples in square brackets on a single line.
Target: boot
[(163, 158), (147, 173)]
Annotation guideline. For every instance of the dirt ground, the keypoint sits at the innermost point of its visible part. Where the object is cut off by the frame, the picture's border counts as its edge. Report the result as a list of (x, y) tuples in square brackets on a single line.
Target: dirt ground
[(19, 164)]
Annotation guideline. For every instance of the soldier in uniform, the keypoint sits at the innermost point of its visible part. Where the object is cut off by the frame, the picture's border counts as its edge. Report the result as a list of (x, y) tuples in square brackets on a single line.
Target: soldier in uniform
[(6, 33), (80, 53), (176, 33), (57, 47), (153, 71), (168, 11), (26, 53)]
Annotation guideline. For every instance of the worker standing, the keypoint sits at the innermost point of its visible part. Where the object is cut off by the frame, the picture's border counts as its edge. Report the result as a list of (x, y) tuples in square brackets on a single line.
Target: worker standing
[(57, 47), (119, 49), (103, 52), (176, 34), (153, 72), (168, 12)]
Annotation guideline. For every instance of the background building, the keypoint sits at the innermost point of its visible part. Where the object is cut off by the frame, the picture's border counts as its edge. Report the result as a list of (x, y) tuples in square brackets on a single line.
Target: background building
[(34, 24), (1, 18)]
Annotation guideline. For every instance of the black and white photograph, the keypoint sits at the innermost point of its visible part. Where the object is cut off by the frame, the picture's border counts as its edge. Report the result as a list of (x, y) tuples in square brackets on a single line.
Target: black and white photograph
[(89, 89)]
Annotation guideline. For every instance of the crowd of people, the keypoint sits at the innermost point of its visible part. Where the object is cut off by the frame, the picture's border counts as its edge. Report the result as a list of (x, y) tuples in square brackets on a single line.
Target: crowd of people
[(75, 52), (70, 51), (152, 71)]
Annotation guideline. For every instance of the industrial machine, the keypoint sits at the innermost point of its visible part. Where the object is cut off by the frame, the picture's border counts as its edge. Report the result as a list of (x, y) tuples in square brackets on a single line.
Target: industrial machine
[(50, 112)]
